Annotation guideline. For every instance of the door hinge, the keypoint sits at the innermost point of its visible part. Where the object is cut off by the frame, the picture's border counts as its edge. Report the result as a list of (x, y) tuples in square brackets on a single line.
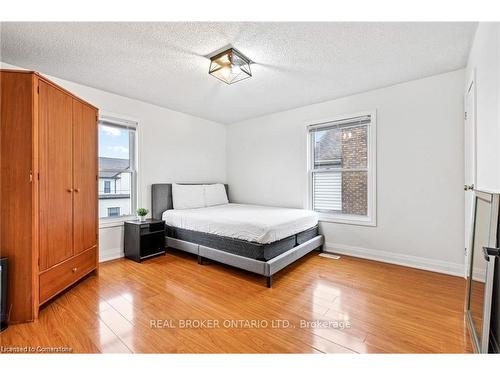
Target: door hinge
[(38, 89)]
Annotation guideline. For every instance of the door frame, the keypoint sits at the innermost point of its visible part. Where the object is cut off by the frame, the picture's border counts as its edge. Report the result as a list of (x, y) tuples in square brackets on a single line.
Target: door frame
[(471, 89)]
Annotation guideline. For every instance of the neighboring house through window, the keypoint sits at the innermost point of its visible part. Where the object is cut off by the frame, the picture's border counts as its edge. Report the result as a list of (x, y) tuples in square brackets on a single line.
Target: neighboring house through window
[(113, 211), (117, 167), (342, 169)]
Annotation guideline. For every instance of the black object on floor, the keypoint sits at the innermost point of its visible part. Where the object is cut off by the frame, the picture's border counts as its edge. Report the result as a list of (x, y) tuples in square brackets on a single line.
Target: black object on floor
[(3, 294)]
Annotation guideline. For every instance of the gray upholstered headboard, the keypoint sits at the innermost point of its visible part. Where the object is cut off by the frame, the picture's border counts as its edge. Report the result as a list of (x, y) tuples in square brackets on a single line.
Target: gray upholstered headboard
[(161, 198)]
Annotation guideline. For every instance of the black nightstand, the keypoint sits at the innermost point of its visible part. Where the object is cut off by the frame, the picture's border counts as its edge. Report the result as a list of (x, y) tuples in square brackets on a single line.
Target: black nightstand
[(144, 239)]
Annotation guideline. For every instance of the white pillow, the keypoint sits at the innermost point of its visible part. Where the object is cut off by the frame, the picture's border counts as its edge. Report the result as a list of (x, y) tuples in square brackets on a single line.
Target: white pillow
[(188, 196), (215, 194)]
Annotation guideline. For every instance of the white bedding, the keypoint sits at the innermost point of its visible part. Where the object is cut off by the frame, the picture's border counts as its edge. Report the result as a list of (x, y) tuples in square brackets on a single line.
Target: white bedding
[(260, 224)]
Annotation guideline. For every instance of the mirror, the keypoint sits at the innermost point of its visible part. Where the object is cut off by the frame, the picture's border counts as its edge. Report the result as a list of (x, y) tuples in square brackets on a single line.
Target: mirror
[(478, 274), (479, 296)]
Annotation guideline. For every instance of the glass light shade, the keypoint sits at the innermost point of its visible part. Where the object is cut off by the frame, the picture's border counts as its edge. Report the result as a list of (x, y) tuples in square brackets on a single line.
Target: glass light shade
[(230, 66)]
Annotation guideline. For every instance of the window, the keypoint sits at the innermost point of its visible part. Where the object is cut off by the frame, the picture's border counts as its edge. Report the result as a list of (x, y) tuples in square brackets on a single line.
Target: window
[(113, 211), (342, 169), (117, 167)]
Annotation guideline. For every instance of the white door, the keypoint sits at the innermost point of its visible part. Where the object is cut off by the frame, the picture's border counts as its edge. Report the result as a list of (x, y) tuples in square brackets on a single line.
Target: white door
[(470, 162)]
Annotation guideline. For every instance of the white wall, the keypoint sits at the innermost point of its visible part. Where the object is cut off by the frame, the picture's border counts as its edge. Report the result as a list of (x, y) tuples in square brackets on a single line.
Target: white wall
[(420, 219), (484, 59), (420, 165), (173, 147)]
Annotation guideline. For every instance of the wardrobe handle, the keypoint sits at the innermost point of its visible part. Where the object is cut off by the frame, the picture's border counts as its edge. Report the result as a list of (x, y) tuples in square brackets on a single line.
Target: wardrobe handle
[(70, 190), (74, 269), (77, 190)]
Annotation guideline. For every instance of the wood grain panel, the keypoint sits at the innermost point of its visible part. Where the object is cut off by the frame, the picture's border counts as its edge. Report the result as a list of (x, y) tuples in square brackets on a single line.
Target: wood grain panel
[(56, 178), (85, 198), (391, 309), (16, 189)]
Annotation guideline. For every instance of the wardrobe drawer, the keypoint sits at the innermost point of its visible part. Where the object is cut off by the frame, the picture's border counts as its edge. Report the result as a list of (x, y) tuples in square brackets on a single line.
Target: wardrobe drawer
[(59, 277)]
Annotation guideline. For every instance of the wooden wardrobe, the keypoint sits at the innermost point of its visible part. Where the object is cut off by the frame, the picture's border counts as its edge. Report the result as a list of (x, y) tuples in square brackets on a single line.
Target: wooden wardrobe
[(49, 198)]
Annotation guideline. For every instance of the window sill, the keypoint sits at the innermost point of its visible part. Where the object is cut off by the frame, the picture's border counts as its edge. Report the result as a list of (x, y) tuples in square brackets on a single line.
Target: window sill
[(114, 222), (346, 219)]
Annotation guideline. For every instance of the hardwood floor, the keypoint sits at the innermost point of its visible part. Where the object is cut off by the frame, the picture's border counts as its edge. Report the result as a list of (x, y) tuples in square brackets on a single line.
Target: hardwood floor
[(386, 309)]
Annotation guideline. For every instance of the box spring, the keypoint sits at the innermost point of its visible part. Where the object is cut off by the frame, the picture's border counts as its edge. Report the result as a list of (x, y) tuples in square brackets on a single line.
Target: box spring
[(243, 248)]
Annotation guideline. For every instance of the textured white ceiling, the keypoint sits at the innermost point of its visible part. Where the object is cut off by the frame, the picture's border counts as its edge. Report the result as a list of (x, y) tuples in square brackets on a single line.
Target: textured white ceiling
[(295, 63)]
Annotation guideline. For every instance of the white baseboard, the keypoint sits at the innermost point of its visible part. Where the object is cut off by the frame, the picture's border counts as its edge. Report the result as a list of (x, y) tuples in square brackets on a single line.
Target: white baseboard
[(110, 254), (448, 268), (440, 266), (479, 274)]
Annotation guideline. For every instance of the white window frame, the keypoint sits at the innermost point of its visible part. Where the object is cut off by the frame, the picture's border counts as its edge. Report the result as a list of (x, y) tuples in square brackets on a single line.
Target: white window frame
[(108, 222), (371, 218), (107, 183)]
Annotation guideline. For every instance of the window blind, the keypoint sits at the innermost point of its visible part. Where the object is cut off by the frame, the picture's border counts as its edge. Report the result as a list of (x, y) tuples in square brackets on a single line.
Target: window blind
[(327, 187), (118, 123), (354, 121)]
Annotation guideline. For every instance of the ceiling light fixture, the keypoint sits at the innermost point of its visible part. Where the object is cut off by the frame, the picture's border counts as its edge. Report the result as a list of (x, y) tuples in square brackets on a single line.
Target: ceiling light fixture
[(230, 66)]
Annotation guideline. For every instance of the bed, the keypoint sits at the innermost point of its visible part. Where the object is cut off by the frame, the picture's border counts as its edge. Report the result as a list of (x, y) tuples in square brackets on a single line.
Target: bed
[(259, 239)]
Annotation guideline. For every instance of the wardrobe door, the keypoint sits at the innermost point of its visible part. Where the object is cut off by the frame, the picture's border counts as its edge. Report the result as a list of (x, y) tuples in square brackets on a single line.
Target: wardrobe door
[(56, 177), (17, 202), (84, 176)]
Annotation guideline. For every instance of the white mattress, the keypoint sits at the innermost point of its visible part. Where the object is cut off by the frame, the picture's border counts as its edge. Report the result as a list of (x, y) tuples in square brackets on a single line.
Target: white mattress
[(260, 224)]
